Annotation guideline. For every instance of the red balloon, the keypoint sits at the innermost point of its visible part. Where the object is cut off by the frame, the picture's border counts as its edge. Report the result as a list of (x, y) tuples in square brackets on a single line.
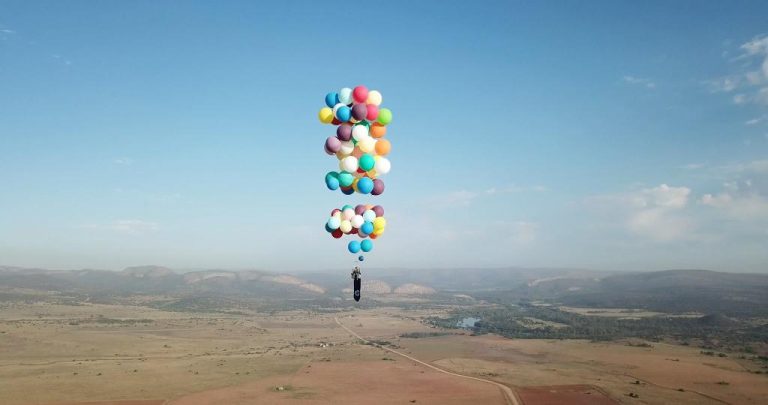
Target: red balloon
[(373, 236), (360, 94), (354, 230), (337, 233), (335, 121)]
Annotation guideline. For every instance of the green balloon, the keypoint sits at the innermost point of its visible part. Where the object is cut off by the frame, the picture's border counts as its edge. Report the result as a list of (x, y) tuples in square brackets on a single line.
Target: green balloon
[(347, 206), (346, 179), (367, 162), (385, 116), (333, 175)]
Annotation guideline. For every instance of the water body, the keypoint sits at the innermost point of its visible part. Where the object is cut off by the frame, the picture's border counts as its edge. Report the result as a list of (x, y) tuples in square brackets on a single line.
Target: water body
[(468, 322)]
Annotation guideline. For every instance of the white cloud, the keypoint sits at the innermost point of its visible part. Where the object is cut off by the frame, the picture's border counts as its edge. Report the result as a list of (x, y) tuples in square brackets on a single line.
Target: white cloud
[(127, 226), (639, 81), (752, 77), (126, 161), (7, 31), (745, 207), (654, 213), (668, 197), (693, 166)]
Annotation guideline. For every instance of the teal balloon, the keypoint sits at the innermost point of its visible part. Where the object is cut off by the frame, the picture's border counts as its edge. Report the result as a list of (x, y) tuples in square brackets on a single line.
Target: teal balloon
[(332, 180), (367, 228), (367, 162), (366, 245), (365, 185), (347, 206), (354, 246), (346, 179), (361, 258)]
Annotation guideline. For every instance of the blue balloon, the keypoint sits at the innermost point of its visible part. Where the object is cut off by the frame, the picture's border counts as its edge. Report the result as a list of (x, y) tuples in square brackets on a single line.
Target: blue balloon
[(328, 228), (331, 99), (365, 185), (344, 113), (354, 246), (366, 245), (367, 228), (361, 258)]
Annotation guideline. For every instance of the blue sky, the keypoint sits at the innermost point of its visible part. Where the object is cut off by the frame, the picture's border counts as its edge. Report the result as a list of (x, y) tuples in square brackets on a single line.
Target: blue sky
[(609, 135)]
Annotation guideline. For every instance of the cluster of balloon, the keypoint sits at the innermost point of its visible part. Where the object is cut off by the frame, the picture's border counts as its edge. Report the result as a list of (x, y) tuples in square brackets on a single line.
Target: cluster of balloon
[(365, 221), (359, 143)]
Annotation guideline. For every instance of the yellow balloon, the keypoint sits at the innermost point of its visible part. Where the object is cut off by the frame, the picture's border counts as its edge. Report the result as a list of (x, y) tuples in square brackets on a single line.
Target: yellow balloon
[(325, 115), (372, 173), (379, 224), (354, 184)]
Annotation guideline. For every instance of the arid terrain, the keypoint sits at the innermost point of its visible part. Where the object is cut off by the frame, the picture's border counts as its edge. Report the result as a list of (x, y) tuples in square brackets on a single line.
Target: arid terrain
[(134, 355)]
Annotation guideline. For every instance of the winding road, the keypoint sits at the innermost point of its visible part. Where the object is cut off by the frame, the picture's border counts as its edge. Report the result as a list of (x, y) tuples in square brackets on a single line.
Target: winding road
[(509, 395)]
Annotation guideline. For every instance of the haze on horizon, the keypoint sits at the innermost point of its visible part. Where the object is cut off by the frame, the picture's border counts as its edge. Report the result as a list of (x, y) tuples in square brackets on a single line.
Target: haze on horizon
[(607, 136)]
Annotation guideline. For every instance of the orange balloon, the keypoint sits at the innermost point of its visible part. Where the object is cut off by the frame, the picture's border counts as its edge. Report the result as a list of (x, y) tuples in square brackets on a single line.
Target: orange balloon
[(377, 130), (373, 236), (383, 146)]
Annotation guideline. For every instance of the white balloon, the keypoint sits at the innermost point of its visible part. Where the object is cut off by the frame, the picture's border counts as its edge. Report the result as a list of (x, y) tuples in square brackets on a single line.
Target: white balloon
[(334, 223), (369, 215), (374, 97), (382, 165), (367, 145), (360, 132), (349, 164), (357, 221), (345, 96), (347, 148)]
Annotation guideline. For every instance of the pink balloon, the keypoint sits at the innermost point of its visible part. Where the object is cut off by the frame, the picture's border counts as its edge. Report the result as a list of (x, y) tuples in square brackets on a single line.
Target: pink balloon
[(360, 94), (373, 112)]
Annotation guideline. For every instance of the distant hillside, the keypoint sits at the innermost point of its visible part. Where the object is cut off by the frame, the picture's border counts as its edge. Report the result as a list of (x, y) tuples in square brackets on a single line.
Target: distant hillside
[(700, 291)]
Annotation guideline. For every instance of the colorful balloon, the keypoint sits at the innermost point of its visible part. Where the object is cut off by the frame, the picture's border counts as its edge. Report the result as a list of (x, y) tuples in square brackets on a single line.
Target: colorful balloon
[(382, 165), (344, 132), (366, 162), (374, 98), (360, 94), (331, 99), (382, 147), (359, 112), (349, 164), (345, 96), (325, 115), (378, 187), (378, 210), (365, 185), (377, 130), (366, 245), (385, 116)]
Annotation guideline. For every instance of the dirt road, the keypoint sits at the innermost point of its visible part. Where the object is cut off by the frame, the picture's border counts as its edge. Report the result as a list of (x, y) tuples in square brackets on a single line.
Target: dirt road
[(509, 395)]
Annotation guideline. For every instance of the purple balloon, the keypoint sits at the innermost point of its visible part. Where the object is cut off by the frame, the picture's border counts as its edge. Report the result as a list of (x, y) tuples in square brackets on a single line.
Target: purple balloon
[(344, 132), (359, 209), (332, 145), (379, 210), (378, 188), (359, 111)]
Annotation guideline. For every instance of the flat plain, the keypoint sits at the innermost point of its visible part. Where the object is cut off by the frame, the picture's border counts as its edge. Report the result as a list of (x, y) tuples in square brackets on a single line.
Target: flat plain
[(134, 355)]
